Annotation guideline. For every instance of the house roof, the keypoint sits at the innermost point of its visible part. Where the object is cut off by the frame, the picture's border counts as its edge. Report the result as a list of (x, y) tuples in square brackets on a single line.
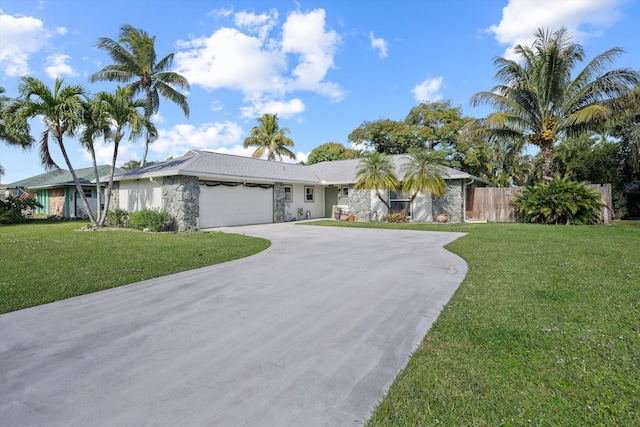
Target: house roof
[(62, 178), (217, 166)]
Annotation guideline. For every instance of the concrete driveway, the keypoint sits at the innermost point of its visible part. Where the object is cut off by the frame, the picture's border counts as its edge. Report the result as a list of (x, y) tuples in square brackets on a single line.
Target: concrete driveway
[(310, 332)]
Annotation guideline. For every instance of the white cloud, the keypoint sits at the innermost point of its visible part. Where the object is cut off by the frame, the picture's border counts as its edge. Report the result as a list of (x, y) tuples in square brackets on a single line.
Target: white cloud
[(380, 44), (57, 66), (258, 66), (61, 31), (21, 37), (284, 109), (104, 153), (221, 12), (429, 90), (584, 19), (257, 24), (184, 137)]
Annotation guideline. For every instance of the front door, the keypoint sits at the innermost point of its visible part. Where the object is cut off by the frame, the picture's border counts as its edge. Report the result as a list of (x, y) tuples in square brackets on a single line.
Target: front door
[(330, 200)]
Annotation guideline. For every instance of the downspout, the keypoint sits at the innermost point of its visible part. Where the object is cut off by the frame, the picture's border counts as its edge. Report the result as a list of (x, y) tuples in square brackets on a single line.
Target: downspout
[(464, 200)]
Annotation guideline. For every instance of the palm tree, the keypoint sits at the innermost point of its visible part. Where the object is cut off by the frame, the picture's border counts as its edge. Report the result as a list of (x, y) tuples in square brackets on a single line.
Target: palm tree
[(424, 172), (539, 102), (376, 171), (135, 63), (62, 111), (112, 115), (270, 138)]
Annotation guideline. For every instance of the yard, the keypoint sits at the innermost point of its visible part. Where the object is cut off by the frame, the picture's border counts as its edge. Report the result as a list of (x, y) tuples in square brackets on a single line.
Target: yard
[(542, 331), (46, 261)]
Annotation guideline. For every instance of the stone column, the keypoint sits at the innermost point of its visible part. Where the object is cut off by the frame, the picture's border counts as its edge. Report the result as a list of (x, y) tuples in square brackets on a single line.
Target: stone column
[(181, 198), (450, 203), (360, 204), (278, 202)]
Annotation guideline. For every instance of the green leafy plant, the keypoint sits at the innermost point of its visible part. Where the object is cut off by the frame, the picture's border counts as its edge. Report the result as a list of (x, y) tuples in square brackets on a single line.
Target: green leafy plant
[(117, 218), (559, 201), (151, 219), (397, 217), (12, 209)]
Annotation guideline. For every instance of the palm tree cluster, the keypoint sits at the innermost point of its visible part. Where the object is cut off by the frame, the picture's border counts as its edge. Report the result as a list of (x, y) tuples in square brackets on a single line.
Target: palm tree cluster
[(540, 101), (69, 111), (423, 171), (270, 139)]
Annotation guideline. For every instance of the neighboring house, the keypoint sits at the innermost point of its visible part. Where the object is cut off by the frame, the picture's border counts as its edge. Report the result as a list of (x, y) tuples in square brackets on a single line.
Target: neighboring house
[(57, 193), (206, 190)]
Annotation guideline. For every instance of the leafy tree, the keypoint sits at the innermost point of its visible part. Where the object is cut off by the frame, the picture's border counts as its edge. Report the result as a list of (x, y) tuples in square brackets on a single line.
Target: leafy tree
[(62, 111), (123, 114), (131, 164), (435, 124), (376, 171), (135, 63), (270, 138), (385, 136), (539, 102), (424, 172), (329, 152)]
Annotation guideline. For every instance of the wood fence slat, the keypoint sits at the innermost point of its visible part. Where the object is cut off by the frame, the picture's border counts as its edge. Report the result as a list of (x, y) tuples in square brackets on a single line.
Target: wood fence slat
[(493, 204)]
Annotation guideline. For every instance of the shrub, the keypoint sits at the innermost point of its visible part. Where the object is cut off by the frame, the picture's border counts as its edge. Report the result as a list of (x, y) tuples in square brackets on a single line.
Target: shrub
[(12, 209), (117, 218), (397, 217), (151, 219), (560, 201)]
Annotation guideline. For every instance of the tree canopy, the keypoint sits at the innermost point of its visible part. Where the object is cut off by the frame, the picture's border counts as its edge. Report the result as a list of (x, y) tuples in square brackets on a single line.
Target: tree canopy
[(329, 152), (270, 139)]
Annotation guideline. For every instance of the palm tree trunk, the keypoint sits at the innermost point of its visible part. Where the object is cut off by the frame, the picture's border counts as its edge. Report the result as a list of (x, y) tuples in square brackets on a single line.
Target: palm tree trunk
[(548, 168), (383, 201), (107, 198), (97, 175), (146, 149), (85, 202)]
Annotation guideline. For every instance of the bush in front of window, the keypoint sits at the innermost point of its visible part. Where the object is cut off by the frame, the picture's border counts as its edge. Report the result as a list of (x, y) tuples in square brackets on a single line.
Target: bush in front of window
[(397, 217)]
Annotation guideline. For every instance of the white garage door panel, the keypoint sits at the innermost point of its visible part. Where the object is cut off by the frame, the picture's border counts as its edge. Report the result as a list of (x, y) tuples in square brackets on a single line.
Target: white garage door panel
[(224, 206)]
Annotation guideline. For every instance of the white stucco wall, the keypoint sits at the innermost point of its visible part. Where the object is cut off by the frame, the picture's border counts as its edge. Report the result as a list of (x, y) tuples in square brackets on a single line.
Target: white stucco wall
[(422, 209), (137, 195), (316, 208)]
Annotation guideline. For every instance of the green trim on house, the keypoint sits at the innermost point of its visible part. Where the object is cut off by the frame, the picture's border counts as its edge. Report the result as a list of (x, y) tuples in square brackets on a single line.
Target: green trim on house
[(66, 202), (42, 197)]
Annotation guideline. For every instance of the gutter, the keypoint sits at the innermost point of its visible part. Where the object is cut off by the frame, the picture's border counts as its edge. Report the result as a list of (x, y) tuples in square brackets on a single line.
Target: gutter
[(464, 204)]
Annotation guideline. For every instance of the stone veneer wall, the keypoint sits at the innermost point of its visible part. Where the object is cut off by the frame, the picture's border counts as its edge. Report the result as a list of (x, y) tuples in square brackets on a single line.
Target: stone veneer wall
[(114, 201), (450, 203), (360, 204), (56, 202), (278, 202), (181, 198)]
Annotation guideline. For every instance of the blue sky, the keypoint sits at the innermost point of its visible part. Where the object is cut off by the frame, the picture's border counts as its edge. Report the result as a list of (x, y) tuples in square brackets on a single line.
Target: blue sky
[(323, 66)]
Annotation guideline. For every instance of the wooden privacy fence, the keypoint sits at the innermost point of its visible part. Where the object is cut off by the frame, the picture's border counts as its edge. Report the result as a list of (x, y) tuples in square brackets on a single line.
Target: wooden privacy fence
[(493, 204)]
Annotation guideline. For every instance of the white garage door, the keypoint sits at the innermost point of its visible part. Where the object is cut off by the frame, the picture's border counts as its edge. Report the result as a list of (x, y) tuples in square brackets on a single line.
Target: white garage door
[(223, 206)]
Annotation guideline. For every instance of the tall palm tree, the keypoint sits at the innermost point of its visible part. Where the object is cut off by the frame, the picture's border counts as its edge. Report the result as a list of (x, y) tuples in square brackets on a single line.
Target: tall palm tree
[(270, 138), (539, 102), (62, 111), (376, 171), (14, 130), (135, 63), (424, 172), (113, 115)]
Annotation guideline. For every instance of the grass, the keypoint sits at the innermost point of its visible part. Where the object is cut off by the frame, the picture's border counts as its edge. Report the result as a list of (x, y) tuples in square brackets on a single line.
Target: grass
[(46, 261), (543, 331)]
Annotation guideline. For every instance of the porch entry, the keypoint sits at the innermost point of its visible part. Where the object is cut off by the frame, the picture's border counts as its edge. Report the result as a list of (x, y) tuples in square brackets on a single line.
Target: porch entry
[(330, 200)]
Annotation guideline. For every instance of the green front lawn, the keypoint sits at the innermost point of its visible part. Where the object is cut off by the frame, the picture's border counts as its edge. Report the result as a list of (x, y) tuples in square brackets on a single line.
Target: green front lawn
[(543, 331), (44, 261)]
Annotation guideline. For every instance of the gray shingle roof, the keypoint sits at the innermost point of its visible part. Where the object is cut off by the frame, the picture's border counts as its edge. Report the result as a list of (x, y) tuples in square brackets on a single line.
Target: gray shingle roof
[(216, 166), (61, 177)]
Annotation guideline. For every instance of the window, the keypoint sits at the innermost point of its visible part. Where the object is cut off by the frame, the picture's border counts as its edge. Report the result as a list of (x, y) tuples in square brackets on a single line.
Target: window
[(87, 192), (344, 192), (288, 194), (309, 194), (400, 201)]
